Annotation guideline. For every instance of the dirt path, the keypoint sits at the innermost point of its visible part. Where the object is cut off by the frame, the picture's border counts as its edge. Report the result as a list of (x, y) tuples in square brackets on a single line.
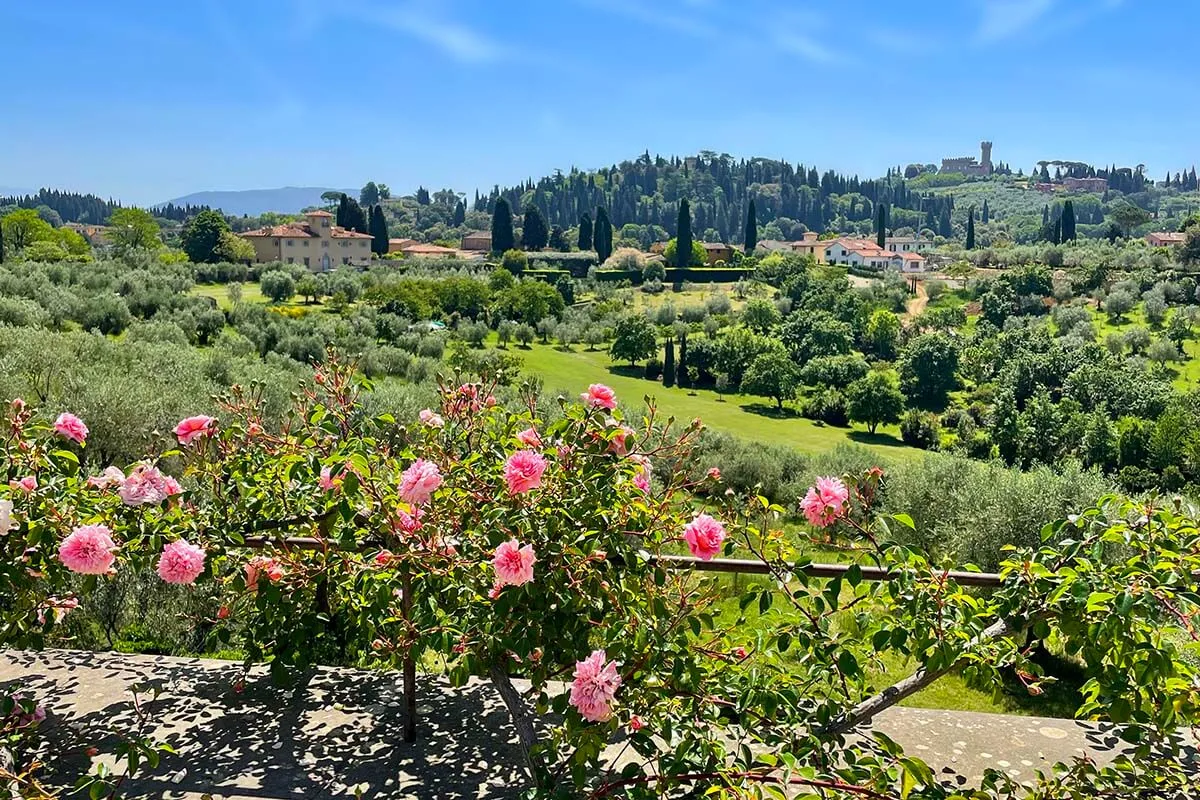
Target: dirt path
[(916, 306)]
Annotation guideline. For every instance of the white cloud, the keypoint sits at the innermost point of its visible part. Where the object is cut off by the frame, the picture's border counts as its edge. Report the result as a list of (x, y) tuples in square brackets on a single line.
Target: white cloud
[(1003, 19), (453, 38), (805, 46)]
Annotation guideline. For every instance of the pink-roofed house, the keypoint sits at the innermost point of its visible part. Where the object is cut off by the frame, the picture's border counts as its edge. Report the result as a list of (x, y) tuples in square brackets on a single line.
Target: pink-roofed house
[(316, 243)]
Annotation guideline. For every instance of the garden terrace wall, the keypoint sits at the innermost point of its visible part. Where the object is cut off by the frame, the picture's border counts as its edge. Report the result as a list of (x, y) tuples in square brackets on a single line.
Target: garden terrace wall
[(550, 276)]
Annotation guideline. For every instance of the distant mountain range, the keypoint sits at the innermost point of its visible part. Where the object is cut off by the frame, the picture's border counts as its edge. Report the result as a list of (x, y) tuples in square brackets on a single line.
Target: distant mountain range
[(286, 200)]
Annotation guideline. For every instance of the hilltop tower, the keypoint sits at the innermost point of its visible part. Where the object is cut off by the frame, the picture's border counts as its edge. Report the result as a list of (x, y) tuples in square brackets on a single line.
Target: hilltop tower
[(986, 157)]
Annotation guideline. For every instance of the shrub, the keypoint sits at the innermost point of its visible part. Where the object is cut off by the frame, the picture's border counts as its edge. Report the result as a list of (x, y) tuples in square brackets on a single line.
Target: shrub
[(920, 429)]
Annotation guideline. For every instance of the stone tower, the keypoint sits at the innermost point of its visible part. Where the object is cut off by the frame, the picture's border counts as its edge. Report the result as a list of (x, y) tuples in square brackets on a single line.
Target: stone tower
[(986, 159)]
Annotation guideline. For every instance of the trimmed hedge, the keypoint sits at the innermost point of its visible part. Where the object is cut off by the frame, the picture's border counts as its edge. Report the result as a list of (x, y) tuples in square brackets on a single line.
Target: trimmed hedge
[(678, 275), (550, 276), (577, 264)]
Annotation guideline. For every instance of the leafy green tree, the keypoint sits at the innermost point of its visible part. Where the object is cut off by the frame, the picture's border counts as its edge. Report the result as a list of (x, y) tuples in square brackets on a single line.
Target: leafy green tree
[(1118, 304), (234, 249), (735, 351), (503, 238), (534, 233), (277, 285), (1127, 216), (881, 225), (929, 370), (751, 240), (369, 196), (202, 235), (760, 315), (23, 227), (308, 288), (1099, 445), (529, 301), (501, 278), (633, 339), (209, 324), (670, 253), (585, 231), (874, 400), (815, 334), (1162, 352), (558, 240), (683, 237), (356, 217), (971, 228), (132, 229), (772, 374), (514, 261), (422, 196), (654, 271), (331, 198), (565, 286), (882, 335), (602, 235), (1189, 252)]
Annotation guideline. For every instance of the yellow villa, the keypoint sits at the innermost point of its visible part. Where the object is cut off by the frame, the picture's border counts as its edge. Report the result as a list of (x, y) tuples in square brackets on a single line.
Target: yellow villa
[(317, 244)]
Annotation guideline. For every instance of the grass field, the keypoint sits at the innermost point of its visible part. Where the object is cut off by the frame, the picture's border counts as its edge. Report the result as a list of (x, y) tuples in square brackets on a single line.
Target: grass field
[(1186, 373), (749, 417), (251, 293)]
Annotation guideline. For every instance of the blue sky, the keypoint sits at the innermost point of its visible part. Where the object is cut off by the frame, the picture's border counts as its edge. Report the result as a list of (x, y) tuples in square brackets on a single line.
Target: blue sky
[(145, 100)]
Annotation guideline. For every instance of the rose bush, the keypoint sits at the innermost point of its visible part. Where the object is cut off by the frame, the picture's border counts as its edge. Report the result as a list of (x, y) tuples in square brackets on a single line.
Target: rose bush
[(510, 546)]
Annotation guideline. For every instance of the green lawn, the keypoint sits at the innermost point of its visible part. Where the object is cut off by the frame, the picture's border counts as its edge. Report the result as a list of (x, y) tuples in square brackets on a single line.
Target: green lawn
[(251, 293), (749, 417), (1186, 373)]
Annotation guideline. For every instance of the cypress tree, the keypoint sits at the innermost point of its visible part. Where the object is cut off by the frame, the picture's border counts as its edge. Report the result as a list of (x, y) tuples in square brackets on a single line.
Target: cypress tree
[(881, 225), (985, 215), (682, 378), (945, 227), (356, 217), (1045, 215), (669, 363), (971, 228), (751, 229), (379, 231), (683, 238), (502, 227), (602, 235), (1068, 222), (340, 217), (1056, 234), (460, 213), (585, 231), (535, 235)]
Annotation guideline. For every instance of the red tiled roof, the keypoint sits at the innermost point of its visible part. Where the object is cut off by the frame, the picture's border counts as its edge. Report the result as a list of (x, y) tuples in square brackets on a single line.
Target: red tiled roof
[(430, 249), (317, 213), (911, 256), (292, 231), (342, 233)]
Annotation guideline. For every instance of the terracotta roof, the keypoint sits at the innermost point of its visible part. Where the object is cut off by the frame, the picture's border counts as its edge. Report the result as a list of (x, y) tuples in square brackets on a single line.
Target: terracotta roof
[(715, 246), (863, 247), (429, 249), (911, 256), (342, 233), (1168, 236), (292, 231), (317, 213)]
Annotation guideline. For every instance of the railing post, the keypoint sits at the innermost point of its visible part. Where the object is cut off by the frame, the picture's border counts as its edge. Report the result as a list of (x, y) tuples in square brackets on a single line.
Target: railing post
[(410, 663)]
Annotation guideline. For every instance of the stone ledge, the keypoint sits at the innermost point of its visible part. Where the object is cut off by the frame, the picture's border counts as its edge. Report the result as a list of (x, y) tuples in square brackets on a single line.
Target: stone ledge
[(343, 728)]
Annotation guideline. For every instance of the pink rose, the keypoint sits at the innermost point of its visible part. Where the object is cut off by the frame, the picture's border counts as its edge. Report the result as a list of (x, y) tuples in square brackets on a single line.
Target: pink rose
[(636, 724), (599, 396), (523, 471), (419, 482), (28, 483), (71, 427), (181, 562), (704, 536), (88, 550), (529, 437), (825, 502), (595, 685), (513, 564), (112, 476), (145, 485), (192, 428), (431, 419), (714, 474), (617, 440), (409, 523)]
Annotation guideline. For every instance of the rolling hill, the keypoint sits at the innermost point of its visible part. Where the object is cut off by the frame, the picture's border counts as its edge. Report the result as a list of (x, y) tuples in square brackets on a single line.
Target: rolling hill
[(287, 199)]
